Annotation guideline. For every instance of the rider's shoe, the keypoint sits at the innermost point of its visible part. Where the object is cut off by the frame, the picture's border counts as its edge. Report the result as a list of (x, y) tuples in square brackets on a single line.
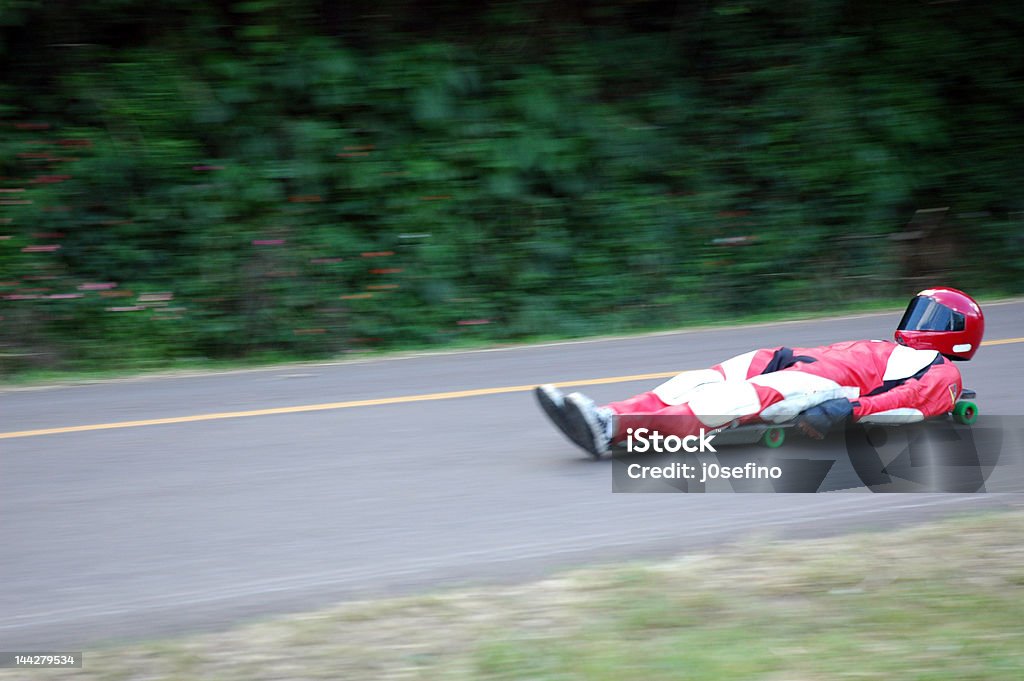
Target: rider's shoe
[(598, 423), (552, 401)]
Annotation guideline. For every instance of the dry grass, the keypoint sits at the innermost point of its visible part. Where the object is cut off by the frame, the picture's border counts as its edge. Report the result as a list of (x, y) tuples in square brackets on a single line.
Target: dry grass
[(940, 601)]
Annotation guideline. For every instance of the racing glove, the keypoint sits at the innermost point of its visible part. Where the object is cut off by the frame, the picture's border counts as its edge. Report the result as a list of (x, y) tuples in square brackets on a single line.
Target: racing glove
[(818, 420)]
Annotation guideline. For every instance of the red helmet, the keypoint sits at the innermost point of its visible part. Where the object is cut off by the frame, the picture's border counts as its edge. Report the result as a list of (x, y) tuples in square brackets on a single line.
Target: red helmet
[(943, 319)]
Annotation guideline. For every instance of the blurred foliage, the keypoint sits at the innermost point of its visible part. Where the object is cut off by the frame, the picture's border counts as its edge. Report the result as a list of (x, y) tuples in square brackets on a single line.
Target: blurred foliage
[(224, 179)]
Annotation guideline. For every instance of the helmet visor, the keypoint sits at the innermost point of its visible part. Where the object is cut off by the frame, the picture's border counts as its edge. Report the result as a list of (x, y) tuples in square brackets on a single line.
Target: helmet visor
[(926, 314)]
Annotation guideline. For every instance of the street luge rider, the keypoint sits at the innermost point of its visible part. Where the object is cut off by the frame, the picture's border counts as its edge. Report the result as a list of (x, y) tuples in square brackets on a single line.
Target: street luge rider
[(888, 382)]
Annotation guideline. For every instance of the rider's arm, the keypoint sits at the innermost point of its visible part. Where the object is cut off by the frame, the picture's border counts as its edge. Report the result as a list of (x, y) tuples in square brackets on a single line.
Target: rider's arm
[(932, 394)]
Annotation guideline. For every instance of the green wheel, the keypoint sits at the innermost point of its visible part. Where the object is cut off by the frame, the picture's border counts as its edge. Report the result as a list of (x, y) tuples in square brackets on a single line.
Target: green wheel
[(965, 412), (773, 438)]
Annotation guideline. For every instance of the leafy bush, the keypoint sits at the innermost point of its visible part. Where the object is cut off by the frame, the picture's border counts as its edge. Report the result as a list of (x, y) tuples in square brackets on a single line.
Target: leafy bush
[(229, 179)]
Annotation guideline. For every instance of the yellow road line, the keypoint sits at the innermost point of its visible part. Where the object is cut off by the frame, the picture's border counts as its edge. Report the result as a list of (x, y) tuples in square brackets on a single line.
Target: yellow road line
[(327, 406), (1002, 341)]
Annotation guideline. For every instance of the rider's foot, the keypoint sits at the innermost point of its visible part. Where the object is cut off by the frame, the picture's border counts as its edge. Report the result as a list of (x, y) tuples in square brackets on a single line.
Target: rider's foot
[(598, 423), (552, 401)]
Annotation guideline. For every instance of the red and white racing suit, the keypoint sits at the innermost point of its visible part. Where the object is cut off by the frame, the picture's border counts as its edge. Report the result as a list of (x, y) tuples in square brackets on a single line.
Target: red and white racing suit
[(885, 382)]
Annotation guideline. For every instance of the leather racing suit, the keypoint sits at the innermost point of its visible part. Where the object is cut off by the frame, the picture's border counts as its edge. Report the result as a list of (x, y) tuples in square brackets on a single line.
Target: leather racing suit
[(885, 383)]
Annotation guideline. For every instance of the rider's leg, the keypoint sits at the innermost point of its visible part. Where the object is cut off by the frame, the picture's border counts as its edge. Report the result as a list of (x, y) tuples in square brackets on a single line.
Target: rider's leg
[(710, 406)]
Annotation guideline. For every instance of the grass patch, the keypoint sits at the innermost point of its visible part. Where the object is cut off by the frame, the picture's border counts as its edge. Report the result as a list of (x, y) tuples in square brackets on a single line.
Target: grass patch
[(26, 377), (940, 601)]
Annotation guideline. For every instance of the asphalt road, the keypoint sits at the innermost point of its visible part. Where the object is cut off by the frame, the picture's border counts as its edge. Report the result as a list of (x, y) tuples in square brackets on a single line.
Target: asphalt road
[(197, 521)]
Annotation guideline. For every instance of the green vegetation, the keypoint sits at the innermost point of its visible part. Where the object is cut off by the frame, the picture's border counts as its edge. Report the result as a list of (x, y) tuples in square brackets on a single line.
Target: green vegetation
[(184, 181), (935, 602), (276, 359)]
